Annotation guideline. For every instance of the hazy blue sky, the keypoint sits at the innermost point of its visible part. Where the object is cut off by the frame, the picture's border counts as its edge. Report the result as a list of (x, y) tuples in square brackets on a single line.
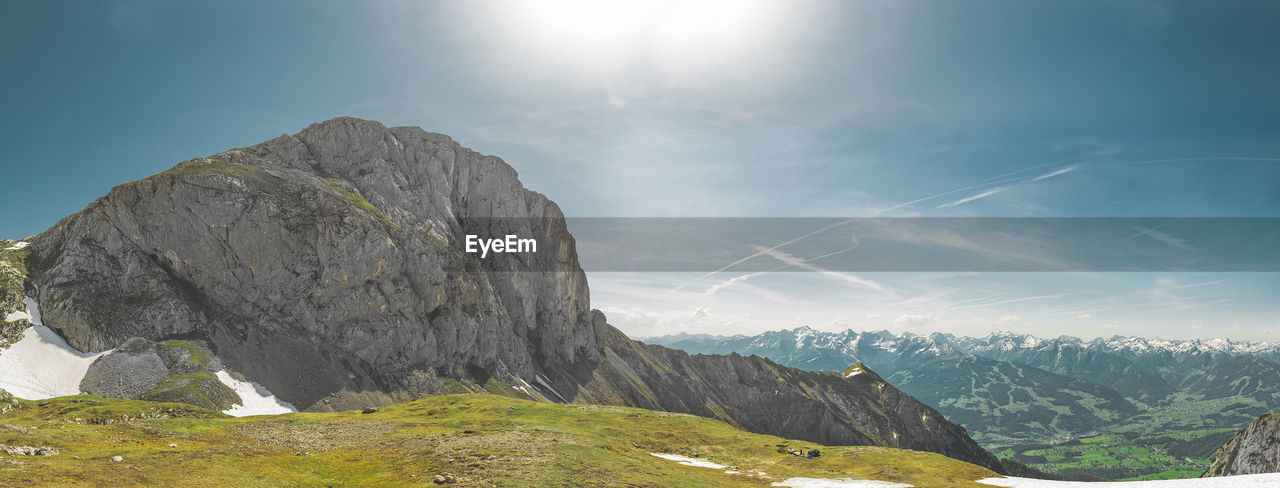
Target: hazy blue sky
[(731, 108)]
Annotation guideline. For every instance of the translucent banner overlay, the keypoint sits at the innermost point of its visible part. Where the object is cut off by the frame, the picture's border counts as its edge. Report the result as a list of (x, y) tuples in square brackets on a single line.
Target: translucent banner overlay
[(920, 244)]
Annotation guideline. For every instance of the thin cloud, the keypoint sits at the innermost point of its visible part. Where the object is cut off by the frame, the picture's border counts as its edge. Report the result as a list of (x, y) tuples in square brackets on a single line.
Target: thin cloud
[(1013, 300), (1171, 240), (805, 265), (1181, 160), (998, 179), (1062, 171), (730, 282), (971, 198), (1195, 285), (915, 319)]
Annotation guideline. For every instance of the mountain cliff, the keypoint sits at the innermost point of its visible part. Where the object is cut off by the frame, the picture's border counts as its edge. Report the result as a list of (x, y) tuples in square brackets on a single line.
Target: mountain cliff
[(329, 267), (328, 264), (1256, 449)]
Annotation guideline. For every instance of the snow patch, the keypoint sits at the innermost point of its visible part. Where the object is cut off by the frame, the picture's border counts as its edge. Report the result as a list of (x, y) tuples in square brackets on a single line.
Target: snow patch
[(33, 311), (254, 398), (17, 246), (547, 385), (853, 373), (19, 315), (688, 461), (1243, 481), (41, 365), (834, 483)]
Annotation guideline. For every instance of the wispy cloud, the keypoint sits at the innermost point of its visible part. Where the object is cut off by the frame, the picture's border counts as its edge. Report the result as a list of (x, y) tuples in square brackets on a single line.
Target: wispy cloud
[(915, 319), (1011, 176), (1171, 240), (1196, 285), (971, 198), (730, 282), (1013, 300), (805, 265), (1062, 171), (993, 191)]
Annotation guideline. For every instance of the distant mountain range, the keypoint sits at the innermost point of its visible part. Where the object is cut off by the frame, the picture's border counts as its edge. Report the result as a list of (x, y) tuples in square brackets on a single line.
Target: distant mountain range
[(1009, 388)]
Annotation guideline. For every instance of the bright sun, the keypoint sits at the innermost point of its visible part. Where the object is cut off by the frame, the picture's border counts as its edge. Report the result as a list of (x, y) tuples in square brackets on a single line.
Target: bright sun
[(614, 23)]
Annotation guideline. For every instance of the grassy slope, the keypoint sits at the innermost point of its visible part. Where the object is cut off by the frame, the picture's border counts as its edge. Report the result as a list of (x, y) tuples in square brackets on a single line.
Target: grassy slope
[(485, 440)]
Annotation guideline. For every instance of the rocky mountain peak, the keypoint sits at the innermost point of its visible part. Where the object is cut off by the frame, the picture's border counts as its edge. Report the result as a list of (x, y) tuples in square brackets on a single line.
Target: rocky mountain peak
[(341, 244), (1256, 449)]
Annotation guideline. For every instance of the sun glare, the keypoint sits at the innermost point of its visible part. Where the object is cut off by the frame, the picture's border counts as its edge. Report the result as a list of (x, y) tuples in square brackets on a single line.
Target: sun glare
[(616, 23)]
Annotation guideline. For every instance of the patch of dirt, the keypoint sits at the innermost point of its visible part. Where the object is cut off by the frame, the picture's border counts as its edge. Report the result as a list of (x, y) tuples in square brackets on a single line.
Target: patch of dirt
[(596, 408), (497, 444), (483, 456), (315, 436)]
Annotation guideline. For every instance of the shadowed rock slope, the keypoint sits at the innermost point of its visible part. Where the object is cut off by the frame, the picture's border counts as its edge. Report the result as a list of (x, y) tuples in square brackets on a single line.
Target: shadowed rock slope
[(756, 394), (328, 266)]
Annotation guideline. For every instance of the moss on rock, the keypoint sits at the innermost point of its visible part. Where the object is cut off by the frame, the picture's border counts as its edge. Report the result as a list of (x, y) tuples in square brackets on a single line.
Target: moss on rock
[(7, 402), (199, 388), (13, 276)]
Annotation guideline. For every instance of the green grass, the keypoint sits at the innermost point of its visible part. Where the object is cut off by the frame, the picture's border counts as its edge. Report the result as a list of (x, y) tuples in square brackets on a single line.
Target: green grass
[(483, 439), (196, 352)]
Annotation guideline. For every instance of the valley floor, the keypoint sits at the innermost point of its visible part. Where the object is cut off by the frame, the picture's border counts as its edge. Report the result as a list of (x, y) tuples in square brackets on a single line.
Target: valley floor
[(1126, 456)]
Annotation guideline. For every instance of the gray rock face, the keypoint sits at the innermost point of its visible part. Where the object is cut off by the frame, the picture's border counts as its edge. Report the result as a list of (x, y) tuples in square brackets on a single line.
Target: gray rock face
[(328, 266), (1254, 450), (331, 253), (127, 372)]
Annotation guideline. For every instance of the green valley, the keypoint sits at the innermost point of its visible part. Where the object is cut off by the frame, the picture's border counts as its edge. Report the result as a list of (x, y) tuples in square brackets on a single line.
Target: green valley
[(1127, 456)]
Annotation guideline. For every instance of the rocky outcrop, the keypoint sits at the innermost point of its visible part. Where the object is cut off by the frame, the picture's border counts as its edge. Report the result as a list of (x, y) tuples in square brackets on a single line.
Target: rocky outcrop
[(329, 266), (172, 371), (29, 450), (127, 372), (1256, 449), (758, 395), (7, 402)]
